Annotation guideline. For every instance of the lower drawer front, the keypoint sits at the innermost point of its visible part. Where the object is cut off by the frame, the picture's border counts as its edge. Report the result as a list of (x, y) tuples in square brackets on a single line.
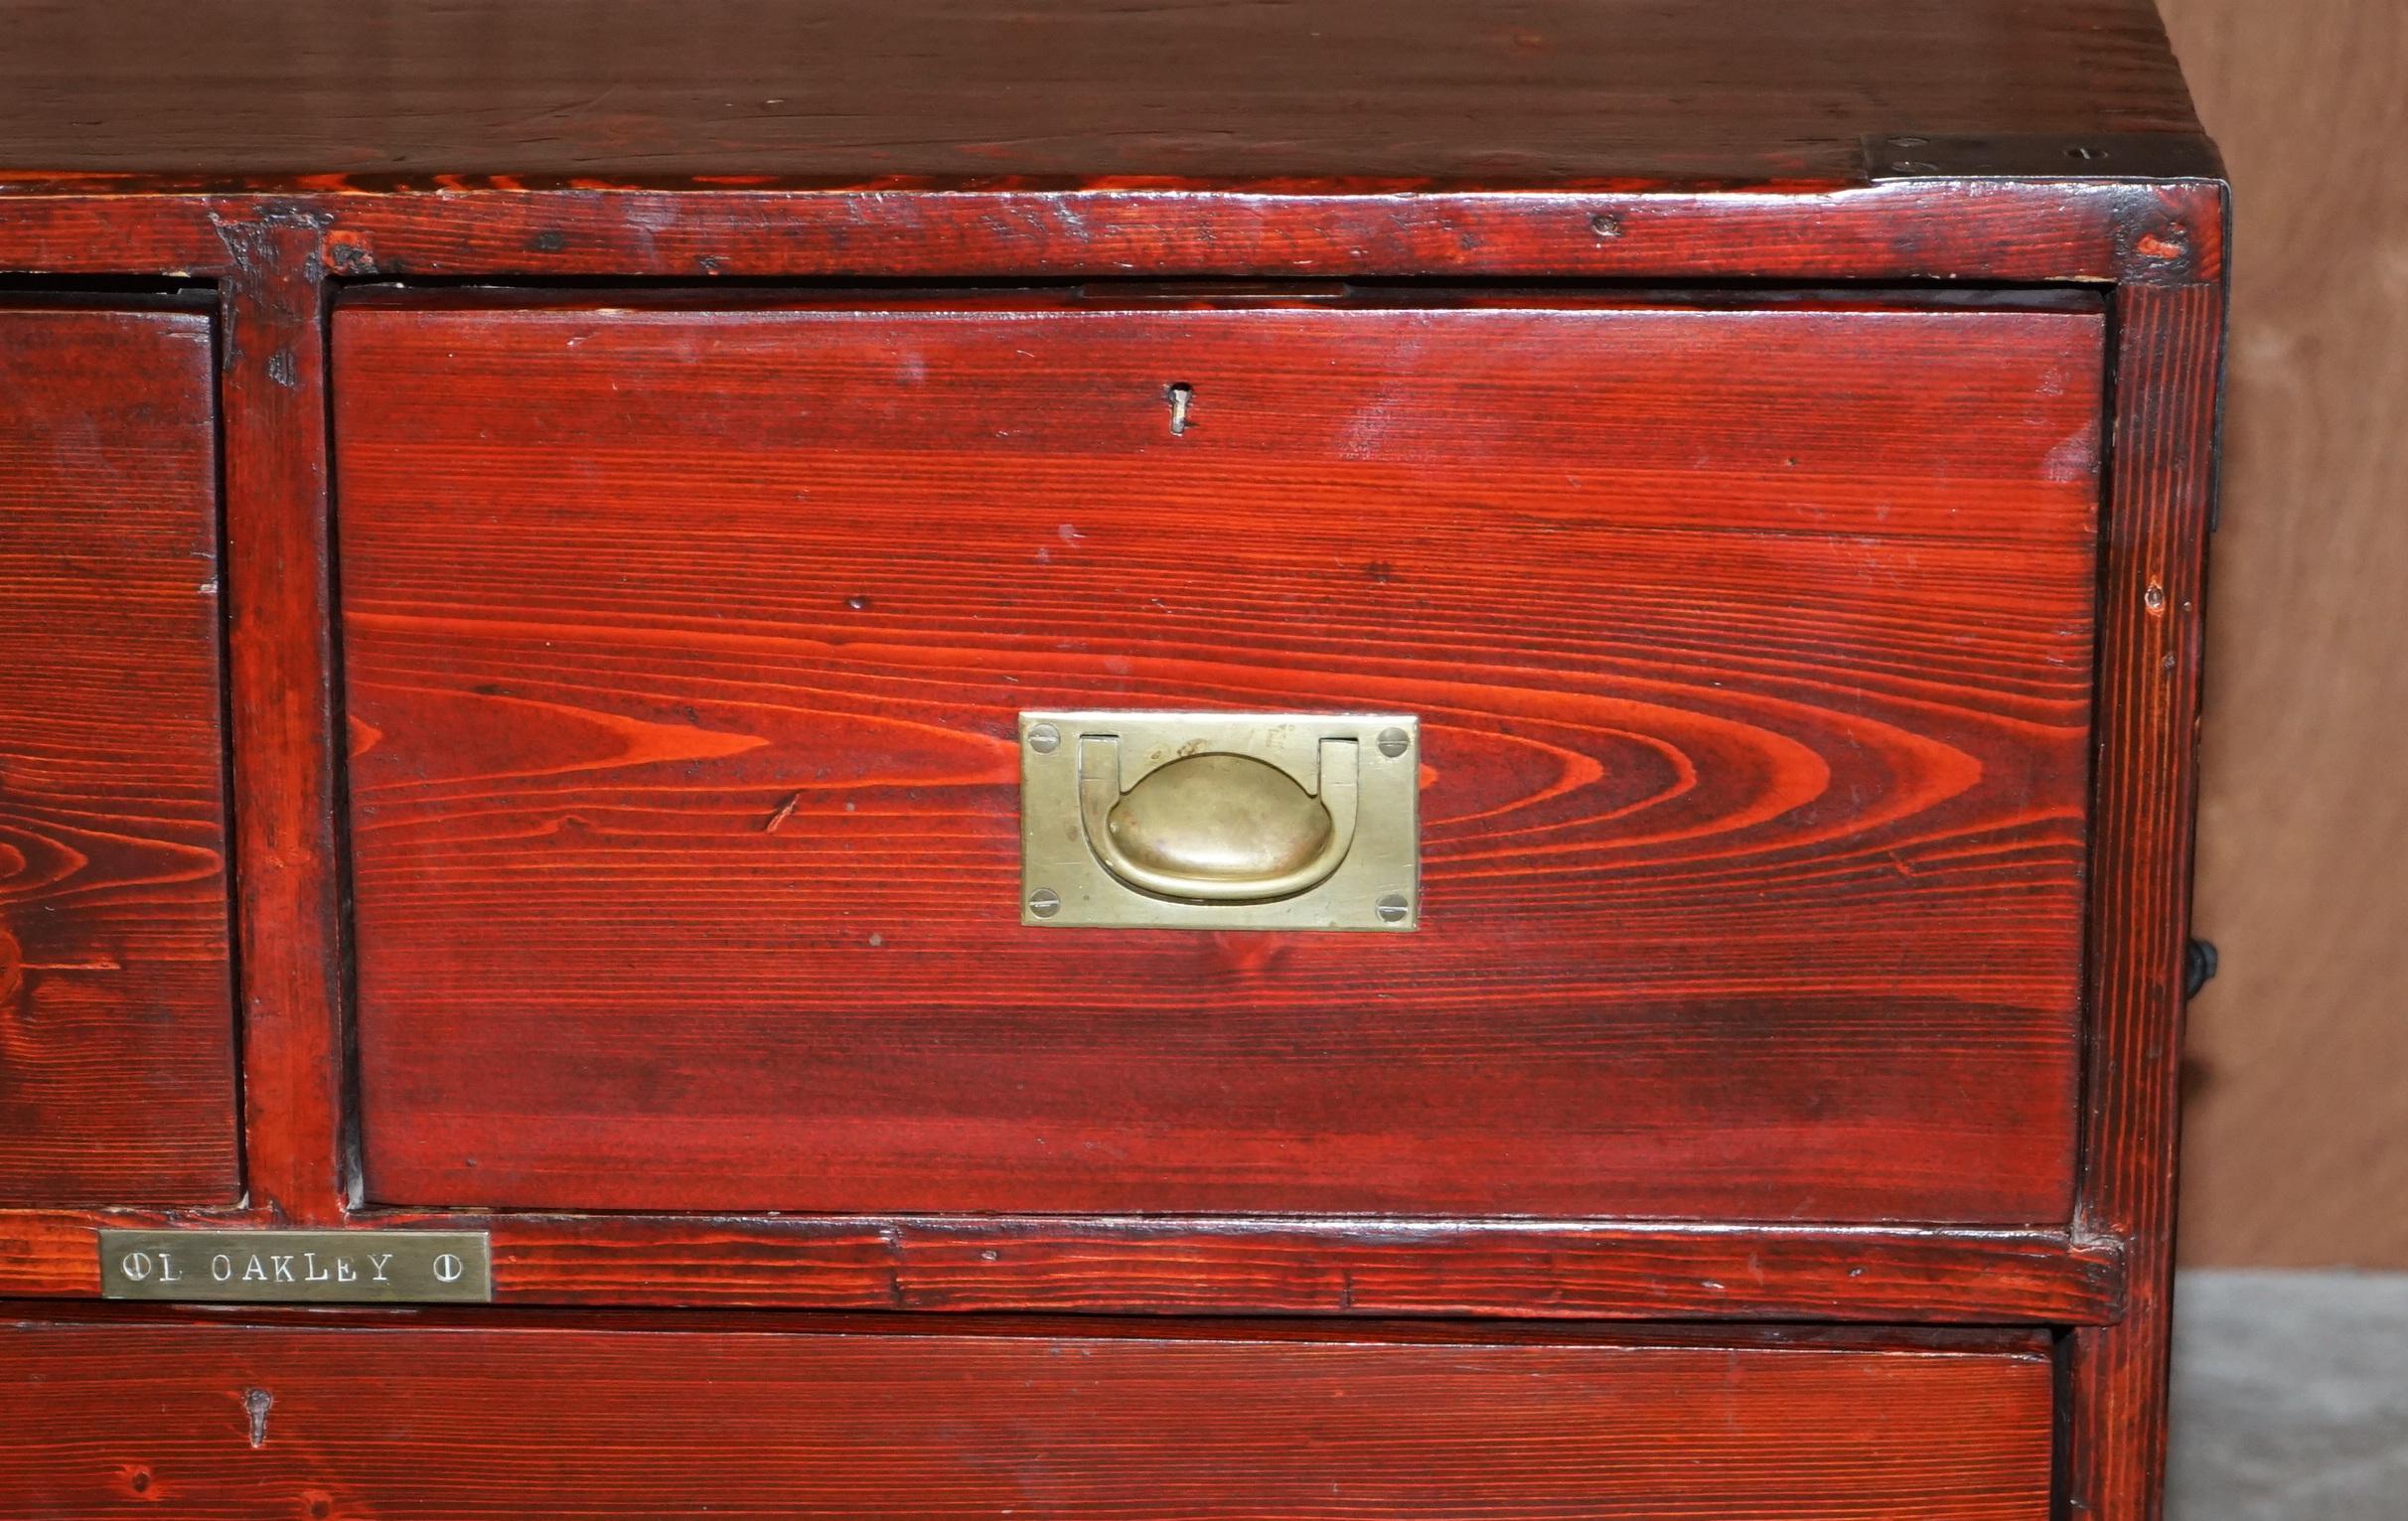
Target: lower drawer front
[(233, 1421)]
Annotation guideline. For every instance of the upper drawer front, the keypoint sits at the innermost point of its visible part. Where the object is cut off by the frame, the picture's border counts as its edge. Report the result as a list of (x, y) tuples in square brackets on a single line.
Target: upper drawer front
[(1751, 648), (116, 1013), (232, 1422)]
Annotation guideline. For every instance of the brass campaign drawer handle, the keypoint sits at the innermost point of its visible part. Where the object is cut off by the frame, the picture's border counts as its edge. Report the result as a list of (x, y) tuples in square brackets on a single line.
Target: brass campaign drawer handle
[(1218, 827), (1220, 821)]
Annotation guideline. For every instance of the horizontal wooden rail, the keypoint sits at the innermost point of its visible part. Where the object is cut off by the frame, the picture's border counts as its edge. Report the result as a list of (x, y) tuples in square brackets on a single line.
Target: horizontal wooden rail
[(1224, 1266)]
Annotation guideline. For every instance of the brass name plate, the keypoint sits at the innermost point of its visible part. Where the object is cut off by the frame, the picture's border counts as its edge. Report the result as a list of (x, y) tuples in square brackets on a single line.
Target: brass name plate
[(297, 1266)]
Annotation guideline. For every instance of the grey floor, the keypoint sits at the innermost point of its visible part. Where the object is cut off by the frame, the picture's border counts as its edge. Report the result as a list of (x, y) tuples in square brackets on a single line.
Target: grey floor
[(2290, 1397)]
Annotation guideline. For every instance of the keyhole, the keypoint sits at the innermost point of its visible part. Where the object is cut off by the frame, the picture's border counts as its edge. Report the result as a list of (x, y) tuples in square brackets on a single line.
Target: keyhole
[(1180, 396)]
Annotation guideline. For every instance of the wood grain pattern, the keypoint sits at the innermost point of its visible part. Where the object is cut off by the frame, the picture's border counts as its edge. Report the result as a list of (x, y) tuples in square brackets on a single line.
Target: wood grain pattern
[(1530, 93), (117, 1021), (1223, 1266), (2168, 356), (1734, 852), (1514, 1269), (2295, 1128), (294, 1064), (442, 1420)]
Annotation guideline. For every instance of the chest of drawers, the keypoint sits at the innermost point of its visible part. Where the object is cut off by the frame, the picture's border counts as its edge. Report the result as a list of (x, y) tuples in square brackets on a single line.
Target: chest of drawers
[(1200, 761)]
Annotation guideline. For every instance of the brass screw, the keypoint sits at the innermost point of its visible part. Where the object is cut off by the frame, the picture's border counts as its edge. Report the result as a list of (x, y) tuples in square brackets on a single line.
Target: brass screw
[(1394, 909), (1393, 742), (1045, 903), (1044, 738)]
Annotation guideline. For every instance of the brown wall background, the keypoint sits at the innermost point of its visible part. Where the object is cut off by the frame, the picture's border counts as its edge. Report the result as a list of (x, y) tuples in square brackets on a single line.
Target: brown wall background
[(2296, 1125)]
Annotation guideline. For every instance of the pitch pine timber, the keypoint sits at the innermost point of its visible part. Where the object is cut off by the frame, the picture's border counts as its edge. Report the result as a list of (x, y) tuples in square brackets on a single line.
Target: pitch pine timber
[(529, 529)]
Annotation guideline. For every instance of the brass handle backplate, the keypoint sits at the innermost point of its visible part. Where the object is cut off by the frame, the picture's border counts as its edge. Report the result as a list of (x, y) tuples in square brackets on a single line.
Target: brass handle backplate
[(1220, 821)]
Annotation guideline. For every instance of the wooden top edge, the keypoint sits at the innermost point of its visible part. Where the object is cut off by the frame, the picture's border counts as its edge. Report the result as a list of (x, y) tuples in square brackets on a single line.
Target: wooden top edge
[(2171, 158), (1330, 96)]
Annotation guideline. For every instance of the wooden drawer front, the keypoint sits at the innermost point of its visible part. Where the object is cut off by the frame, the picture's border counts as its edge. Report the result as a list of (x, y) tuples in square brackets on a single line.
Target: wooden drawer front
[(116, 1013), (228, 1421), (1752, 650)]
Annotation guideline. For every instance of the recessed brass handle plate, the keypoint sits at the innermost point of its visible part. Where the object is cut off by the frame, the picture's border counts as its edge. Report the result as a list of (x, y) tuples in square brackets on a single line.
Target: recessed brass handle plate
[(1220, 821)]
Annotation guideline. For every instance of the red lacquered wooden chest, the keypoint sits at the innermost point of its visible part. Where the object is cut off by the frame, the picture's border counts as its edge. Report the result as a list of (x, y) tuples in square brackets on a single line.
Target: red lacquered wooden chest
[(1203, 761)]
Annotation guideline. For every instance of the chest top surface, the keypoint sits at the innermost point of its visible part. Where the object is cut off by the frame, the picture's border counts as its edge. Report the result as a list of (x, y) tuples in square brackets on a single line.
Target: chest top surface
[(1062, 93)]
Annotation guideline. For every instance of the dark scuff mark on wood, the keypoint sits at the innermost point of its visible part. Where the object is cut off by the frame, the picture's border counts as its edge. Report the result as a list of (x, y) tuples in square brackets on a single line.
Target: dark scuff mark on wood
[(346, 255)]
